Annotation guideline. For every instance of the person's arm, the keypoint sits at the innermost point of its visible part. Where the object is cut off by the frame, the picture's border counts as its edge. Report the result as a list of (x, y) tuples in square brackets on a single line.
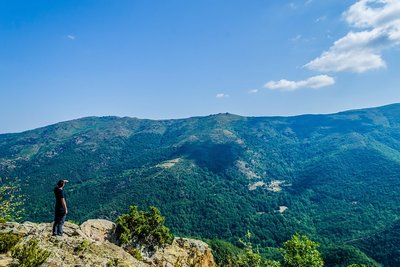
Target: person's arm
[(64, 203)]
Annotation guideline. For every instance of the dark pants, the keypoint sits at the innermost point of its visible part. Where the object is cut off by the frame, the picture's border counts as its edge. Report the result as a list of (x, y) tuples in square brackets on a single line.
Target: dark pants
[(59, 220)]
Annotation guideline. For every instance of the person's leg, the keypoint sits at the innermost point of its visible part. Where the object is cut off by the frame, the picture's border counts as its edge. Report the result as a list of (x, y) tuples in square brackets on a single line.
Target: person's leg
[(60, 225), (55, 225)]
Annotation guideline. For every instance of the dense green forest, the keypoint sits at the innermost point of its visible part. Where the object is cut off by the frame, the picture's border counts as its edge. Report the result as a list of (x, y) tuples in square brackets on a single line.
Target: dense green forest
[(332, 177)]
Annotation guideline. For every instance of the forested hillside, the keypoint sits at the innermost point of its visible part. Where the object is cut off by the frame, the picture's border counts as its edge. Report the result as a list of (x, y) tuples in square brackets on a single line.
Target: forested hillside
[(333, 177)]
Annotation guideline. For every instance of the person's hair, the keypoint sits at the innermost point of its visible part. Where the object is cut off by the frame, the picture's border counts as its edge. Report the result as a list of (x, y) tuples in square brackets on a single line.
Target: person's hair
[(60, 183)]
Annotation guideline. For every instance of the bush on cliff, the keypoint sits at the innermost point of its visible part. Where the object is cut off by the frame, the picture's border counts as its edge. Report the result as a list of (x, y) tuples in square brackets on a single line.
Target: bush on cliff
[(29, 254), (7, 241), (143, 229)]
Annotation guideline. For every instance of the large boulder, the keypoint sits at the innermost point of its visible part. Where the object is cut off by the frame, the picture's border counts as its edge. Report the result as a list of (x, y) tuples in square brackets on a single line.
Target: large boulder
[(99, 230)]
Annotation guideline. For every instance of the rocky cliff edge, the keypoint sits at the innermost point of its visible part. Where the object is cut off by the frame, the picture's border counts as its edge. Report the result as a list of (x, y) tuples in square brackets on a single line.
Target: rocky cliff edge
[(99, 249)]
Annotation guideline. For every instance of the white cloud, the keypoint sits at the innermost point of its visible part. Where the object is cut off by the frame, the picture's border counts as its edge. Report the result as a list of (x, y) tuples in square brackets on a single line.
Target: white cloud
[(314, 82), (253, 91), (71, 37), (221, 95), (373, 13), (377, 27)]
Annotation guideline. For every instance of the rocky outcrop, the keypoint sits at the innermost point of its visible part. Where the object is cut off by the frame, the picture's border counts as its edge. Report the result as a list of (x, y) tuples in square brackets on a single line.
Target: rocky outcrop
[(185, 252), (92, 244)]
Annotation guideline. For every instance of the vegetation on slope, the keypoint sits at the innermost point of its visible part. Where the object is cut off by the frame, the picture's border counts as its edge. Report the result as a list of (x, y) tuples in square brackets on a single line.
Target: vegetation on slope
[(338, 173)]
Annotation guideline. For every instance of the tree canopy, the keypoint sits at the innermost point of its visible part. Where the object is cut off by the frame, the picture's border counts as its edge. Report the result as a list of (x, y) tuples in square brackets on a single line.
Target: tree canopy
[(11, 200)]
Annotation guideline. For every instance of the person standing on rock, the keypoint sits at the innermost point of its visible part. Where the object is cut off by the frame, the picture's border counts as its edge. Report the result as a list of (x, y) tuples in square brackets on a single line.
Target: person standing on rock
[(61, 209)]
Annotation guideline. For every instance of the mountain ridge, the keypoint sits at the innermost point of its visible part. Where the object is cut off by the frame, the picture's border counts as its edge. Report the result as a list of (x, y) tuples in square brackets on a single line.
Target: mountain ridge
[(210, 115), (333, 177)]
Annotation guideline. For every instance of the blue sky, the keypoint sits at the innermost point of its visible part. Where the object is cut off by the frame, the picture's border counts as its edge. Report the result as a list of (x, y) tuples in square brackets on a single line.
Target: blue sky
[(62, 60)]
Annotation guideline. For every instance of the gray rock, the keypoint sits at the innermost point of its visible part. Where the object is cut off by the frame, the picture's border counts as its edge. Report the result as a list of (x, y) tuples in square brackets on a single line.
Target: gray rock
[(98, 230)]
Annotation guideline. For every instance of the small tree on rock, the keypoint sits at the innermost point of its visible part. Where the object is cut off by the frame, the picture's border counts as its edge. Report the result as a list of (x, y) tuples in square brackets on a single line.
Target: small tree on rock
[(143, 230)]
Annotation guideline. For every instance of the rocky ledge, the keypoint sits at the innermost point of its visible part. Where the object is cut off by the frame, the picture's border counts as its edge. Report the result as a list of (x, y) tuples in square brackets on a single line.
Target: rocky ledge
[(100, 249)]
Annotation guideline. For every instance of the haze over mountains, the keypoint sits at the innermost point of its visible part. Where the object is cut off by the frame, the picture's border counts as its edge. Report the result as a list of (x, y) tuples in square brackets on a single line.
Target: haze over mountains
[(333, 177)]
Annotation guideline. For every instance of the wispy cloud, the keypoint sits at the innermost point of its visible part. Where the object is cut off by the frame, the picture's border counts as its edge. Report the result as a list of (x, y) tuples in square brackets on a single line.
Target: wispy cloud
[(377, 28), (296, 38), (314, 82), (253, 91), (71, 37), (319, 19), (221, 95)]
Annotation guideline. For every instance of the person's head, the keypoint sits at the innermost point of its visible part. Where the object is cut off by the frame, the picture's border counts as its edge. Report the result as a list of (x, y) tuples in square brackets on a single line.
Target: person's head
[(60, 184)]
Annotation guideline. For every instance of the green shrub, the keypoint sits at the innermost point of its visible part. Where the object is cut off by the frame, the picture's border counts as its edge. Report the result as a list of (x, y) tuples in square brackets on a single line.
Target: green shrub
[(83, 246), (300, 251), (7, 241), (142, 229), (73, 222), (135, 253), (249, 257), (246, 257), (113, 263), (29, 254)]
